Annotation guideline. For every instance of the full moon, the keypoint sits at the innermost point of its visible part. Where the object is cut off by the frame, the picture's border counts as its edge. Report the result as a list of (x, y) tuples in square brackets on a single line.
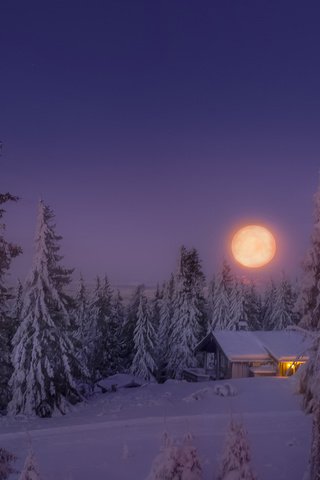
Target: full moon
[(253, 246)]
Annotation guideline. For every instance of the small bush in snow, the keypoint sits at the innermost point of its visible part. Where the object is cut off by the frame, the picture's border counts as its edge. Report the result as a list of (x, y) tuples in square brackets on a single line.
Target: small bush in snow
[(30, 470), (176, 461), (236, 457), (6, 460), (225, 390), (198, 395)]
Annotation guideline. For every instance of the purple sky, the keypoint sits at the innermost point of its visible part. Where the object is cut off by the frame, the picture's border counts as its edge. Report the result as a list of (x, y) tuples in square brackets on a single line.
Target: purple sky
[(146, 125)]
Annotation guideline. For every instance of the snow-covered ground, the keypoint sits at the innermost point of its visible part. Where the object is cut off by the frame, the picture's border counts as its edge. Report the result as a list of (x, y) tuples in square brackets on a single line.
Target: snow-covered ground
[(115, 436)]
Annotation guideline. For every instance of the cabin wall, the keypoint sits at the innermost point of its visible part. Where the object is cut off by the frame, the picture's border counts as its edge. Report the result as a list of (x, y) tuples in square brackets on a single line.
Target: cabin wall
[(223, 366), (240, 370)]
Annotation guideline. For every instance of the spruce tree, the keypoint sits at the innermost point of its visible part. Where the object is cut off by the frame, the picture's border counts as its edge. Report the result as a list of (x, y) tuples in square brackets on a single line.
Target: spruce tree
[(114, 345), (221, 312), (188, 319), (236, 460), (100, 330), (252, 307), (143, 364), (118, 319), (309, 299), (315, 445), (210, 303), (82, 327), (44, 360), (165, 327), (268, 306), (155, 307), (128, 327), (16, 313), (238, 316), (8, 251), (283, 312), (118, 312), (308, 305)]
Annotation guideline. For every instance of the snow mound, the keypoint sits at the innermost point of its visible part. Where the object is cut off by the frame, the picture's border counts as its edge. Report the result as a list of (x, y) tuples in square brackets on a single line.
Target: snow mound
[(226, 390), (199, 395), (120, 380)]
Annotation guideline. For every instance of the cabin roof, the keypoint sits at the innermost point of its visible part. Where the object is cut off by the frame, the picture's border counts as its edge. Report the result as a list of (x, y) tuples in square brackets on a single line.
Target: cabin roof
[(285, 345), (242, 346)]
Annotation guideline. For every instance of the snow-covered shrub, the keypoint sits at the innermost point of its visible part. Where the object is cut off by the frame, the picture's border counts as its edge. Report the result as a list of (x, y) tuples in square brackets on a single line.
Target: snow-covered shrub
[(199, 395), (30, 470), (176, 461), (225, 390), (236, 458), (6, 460)]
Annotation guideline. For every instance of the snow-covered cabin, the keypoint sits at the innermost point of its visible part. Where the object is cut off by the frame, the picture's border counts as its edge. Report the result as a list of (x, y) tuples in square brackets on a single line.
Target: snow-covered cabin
[(234, 354)]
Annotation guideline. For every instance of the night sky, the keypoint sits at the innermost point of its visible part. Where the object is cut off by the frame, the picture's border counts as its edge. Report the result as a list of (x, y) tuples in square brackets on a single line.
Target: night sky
[(146, 125)]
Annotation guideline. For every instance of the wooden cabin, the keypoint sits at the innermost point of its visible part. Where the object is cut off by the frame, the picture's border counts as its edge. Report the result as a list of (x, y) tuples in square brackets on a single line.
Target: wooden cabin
[(236, 354)]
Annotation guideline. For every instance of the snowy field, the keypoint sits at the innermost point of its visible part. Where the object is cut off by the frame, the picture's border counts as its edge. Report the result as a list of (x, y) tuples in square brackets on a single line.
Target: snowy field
[(115, 436)]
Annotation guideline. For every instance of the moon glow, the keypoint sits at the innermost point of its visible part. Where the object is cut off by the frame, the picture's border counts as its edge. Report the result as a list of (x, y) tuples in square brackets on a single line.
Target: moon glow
[(253, 246)]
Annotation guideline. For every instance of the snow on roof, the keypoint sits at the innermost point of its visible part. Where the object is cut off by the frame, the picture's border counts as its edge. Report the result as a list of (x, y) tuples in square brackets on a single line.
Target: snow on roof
[(285, 345), (282, 345), (241, 346)]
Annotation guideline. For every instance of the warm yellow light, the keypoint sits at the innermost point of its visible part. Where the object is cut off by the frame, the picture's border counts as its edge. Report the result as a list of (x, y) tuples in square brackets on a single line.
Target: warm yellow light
[(253, 246)]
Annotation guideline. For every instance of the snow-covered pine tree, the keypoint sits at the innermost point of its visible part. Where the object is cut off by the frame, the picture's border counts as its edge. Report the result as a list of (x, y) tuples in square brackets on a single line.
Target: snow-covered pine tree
[(236, 458), (189, 460), (309, 375), (165, 464), (238, 317), (308, 302), (81, 329), (268, 305), (283, 313), (113, 341), (30, 469), (129, 325), (221, 312), (176, 461), (210, 303), (118, 309), (6, 461), (309, 299), (155, 307), (252, 307), (143, 364), (165, 327), (8, 251), (117, 319), (100, 331), (188, 318), (45, 364), (315, 445), (17, 308), (308, 305)]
